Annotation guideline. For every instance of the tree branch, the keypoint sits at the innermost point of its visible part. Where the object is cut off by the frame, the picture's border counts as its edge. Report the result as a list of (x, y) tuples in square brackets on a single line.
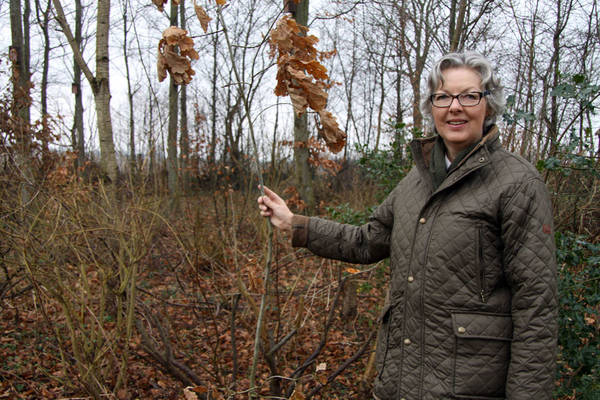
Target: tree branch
[(60, 17)]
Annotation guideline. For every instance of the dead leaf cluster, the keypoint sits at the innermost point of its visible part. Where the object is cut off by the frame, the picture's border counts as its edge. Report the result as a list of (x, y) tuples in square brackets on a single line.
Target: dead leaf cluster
[(175, 52), (301, 75)]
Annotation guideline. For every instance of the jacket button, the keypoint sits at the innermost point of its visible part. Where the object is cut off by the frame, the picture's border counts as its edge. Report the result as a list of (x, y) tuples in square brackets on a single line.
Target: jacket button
[(461, 329), (422, 220), (407, 341), (482, 159), (410, 278)]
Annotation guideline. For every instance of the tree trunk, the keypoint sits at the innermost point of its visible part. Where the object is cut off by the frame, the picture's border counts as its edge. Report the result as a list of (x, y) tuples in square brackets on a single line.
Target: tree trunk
[(19, 53), (79, 142), (21, 102), (303, 173), (172, 167), (184, 139), (132, 157), (99, 83), (457, 25)]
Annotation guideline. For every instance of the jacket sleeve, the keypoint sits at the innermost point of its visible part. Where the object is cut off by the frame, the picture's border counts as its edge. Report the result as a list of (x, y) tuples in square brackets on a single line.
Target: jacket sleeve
[(364, 244), (530, 268)]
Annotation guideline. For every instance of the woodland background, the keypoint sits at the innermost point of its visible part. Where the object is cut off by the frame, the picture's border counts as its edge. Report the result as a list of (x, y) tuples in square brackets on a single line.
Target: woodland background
[(134, 263)]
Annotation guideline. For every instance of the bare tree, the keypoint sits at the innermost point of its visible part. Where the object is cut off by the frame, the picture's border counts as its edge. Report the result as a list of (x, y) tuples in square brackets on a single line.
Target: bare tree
[(184, 137), (99, 83), (303, 173), (172, 164), (130, 92)]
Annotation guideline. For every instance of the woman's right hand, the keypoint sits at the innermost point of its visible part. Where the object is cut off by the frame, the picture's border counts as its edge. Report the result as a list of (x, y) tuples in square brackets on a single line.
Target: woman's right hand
[(274, 207)]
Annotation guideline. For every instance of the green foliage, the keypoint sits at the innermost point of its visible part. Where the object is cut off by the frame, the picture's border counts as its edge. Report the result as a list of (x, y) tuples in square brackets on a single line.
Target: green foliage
[(579, 88), (387, 167), (579, 299), (569, 158), (517, 115)]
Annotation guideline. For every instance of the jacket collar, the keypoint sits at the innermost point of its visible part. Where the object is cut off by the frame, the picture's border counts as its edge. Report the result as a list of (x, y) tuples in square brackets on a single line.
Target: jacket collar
[(422, 150)]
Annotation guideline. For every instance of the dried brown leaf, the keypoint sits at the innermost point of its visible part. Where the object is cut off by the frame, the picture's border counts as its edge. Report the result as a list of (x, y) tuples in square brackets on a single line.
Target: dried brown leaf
[(160, 4), (202, 16), (297, 395), (161, 64), (316, 96), (169, 60), (329, 130), (298, 101), (221, 2)]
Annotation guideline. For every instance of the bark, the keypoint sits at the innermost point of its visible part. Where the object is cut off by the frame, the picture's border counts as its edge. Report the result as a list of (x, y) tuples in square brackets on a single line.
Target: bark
[(21, 102), (99, 83), (184, 139), (102, 93), (20, 54), (172, 165), (43, 22), (213, 106), (79, 142), (457, 25), (303, 173), (130, 94), (43, 19)]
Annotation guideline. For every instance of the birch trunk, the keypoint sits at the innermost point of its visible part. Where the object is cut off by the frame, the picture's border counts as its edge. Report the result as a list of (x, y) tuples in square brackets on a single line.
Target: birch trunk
[(99, 83)]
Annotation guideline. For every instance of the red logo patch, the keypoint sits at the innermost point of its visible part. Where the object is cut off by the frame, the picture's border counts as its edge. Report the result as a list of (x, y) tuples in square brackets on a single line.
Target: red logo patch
[(546, 229)]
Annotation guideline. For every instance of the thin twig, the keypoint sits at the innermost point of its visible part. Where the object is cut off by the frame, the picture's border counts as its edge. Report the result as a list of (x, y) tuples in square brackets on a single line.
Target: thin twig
[(259, 323)]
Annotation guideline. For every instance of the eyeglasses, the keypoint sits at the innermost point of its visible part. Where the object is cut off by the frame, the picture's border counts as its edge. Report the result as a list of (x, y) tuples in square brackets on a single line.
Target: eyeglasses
[(470, 99)]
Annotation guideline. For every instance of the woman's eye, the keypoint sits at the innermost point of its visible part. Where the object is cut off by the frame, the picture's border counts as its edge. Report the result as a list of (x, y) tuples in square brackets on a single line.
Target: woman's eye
[(441, 97), (469, 96)]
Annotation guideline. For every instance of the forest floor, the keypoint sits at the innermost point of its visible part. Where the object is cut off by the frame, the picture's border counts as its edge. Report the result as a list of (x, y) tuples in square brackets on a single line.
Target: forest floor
[(203, 323)]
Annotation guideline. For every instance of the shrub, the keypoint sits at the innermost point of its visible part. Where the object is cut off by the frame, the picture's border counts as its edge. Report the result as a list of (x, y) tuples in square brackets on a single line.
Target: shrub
[(579, 315)]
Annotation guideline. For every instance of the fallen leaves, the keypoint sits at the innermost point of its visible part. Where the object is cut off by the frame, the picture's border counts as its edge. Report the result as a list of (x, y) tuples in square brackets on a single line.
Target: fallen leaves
[(301, 75), (175, 52)]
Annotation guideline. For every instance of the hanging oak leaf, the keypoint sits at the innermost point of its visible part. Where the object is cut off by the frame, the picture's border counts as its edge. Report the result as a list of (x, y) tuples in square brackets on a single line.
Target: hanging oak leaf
[(329, 130), (202, 16), (160, 4), (177, 63), (298, 101), (301, 75)]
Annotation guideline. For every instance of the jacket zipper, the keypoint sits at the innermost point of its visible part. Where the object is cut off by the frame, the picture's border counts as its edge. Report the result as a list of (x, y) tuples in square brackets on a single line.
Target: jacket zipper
[(481, 266)]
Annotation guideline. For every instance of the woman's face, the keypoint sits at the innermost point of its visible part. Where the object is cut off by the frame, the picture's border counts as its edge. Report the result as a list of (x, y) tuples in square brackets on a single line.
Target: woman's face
[(459, 126)]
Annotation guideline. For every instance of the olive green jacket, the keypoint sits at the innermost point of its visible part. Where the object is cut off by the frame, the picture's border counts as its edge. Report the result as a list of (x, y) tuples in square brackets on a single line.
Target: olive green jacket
[(471, 311)]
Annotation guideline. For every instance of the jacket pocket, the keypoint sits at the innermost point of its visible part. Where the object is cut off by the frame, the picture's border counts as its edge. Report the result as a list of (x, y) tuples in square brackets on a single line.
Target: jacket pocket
[(481, 354), (383, 339)]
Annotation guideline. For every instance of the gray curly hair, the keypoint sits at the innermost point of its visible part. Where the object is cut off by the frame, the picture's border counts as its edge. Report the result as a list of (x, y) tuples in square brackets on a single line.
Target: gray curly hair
[(489, 81)]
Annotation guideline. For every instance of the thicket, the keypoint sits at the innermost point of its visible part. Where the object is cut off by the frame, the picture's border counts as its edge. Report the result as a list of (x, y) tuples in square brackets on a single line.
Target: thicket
[(107, 291)]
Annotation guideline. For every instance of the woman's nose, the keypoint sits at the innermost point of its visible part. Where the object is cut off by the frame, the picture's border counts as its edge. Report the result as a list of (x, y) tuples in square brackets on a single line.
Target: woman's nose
[(455, 104)]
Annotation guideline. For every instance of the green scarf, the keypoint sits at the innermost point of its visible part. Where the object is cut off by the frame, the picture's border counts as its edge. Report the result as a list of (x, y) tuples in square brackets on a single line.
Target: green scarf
[(437, 165)]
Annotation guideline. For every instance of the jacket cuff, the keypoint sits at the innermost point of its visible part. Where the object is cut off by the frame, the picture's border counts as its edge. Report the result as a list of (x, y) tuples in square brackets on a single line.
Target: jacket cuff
[(299, 230)]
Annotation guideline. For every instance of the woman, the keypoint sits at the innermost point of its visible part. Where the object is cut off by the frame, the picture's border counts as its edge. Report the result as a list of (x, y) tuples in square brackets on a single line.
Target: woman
[(471, 310)]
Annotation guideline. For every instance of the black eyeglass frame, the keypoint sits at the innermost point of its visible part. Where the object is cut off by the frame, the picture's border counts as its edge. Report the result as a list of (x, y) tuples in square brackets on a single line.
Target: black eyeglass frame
[(457, 97)]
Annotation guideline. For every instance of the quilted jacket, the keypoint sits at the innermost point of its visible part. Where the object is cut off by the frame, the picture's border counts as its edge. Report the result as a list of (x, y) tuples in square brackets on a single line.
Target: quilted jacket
[(471, 311)]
